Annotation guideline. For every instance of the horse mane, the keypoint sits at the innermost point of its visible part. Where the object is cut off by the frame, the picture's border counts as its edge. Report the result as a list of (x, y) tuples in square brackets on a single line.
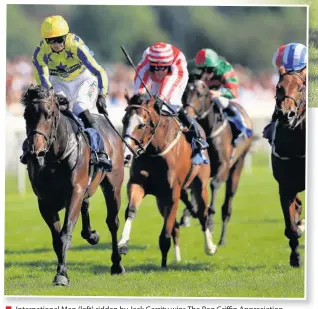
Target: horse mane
[(139, 99), (34, 92), (38, 92)]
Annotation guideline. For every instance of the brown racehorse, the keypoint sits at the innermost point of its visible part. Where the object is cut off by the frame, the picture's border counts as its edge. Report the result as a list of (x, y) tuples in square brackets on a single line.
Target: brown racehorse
[(227, 160), (58, 168), (289, 153), (162, 167)]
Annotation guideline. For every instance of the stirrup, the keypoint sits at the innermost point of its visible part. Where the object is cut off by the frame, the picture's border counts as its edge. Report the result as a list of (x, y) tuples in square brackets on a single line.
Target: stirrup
[(201, 142), (104, 161)]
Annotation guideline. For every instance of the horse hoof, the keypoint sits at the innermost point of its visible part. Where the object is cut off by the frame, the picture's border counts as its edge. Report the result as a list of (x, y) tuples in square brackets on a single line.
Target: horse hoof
[(60, 280), (123, 249), (211, 251), (295, 260), (92, 238), (185, 221), (117, 270), (222, 243)]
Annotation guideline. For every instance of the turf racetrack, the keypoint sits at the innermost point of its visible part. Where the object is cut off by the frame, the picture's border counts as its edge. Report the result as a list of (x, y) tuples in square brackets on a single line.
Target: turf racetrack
[(253, 263)]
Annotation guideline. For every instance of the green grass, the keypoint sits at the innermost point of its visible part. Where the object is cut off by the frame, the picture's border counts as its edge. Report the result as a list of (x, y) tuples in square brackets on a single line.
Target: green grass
[(254, 262), (313, 76)]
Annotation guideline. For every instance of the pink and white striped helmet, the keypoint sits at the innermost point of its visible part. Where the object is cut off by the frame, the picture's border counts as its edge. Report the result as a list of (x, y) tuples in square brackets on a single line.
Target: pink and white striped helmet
[(160, 54)]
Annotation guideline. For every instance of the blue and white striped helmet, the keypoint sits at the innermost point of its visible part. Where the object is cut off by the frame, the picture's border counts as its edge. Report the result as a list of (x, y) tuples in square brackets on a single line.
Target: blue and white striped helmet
[(294, 56)]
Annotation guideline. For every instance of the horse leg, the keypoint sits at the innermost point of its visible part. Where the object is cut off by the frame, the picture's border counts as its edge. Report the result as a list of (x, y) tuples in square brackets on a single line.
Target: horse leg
[(52, 220), (135, 196), (189, 210), (223, 155), (201, 195), (170, 212), (175, 237), (112, 198), (292, 230), (231, 188), (298, 211), (87, 233), (71, 215)]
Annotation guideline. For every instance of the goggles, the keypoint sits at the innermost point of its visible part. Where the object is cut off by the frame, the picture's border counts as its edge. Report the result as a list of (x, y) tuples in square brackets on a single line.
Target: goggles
[(59, 39)]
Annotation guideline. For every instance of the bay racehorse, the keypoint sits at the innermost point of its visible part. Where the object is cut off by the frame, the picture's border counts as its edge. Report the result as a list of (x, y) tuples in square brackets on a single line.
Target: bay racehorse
[(226, 156), (289, 153), (162, 167), (59, 169)]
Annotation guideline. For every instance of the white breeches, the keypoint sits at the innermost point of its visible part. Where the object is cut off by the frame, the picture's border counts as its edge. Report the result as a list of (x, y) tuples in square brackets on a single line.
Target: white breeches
[(82, 91)]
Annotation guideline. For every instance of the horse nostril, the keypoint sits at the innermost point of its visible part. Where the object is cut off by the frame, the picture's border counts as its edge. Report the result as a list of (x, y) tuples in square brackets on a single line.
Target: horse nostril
[(291, 114), (41, 153)]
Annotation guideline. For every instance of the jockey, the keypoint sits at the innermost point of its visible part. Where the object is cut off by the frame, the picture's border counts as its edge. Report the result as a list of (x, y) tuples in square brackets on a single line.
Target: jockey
[(165, 67), (222, 80), (63, 62), (293, 57)]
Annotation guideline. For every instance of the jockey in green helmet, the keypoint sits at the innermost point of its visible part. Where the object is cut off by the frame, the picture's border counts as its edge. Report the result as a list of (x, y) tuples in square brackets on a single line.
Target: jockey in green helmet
[(222, 81)]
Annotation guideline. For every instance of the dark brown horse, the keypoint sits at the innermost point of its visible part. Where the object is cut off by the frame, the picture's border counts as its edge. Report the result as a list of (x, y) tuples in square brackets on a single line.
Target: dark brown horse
[(162, 166), (289, 153), (227, 160), (58, 168)]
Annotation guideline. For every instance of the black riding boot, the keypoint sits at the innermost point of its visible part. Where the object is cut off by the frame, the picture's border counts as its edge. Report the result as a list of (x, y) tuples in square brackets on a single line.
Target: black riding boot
[(190, 121), (89, 122), (25, 149), (268, 130)]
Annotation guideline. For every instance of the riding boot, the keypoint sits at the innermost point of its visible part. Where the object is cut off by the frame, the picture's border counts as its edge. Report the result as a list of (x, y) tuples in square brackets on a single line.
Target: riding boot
[(188, 122), (232, 112), (25, 149), (268, 129), (89, 122)]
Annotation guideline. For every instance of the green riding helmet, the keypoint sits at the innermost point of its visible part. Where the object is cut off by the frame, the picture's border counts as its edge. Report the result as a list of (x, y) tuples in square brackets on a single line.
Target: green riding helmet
[(206, 58)]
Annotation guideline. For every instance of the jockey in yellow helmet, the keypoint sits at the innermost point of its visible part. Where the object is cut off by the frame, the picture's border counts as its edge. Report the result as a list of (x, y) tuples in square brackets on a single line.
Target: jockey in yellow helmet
[(62, 61)]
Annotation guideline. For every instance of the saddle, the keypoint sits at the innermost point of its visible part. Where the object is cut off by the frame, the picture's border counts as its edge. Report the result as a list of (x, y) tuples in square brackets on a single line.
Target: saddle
[(92, 137)]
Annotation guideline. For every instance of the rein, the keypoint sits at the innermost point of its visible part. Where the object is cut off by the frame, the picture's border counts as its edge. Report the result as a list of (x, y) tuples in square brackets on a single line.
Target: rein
[(142, 148)]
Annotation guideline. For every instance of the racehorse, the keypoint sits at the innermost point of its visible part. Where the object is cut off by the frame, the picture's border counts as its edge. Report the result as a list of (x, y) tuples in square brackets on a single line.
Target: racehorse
[(289, 153), (226, 157), (58, 166), (162, 166)]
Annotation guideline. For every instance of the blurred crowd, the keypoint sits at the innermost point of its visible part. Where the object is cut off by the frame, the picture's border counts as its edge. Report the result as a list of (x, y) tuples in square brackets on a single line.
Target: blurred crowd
[(253, 87)]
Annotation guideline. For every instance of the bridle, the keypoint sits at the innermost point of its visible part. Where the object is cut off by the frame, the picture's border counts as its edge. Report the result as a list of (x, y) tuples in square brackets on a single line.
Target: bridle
[(53, 132), (140, 143), (201, 112), (299, 105)]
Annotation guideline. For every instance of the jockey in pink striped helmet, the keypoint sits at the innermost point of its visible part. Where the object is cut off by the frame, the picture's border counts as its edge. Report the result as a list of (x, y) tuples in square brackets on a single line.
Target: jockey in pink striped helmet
[(164, 68)]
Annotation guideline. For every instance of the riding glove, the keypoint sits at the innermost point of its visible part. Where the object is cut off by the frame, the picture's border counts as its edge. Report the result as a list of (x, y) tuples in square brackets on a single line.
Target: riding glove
[(101, 104)]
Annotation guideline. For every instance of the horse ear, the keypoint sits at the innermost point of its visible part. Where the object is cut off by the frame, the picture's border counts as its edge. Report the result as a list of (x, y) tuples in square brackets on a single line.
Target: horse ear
[(126, 95), (282, 70), (51, 92)]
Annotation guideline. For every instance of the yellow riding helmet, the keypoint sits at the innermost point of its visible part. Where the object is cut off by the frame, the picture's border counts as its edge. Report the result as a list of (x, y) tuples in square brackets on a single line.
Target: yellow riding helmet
[(54, 26)]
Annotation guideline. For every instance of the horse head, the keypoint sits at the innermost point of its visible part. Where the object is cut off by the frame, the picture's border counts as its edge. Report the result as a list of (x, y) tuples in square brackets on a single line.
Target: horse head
[(42, 116), (291, 95), (196, 99), (140, 123)]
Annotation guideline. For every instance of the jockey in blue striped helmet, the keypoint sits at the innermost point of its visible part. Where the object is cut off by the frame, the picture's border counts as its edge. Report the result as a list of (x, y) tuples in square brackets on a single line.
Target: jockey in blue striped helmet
[(292, 56)]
